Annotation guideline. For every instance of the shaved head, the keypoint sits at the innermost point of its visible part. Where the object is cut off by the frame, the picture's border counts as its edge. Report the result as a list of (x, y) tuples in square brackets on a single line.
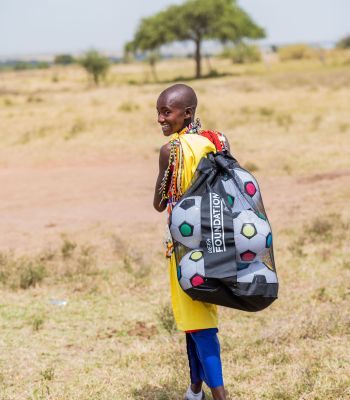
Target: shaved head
[(176, 107), (180, 95)]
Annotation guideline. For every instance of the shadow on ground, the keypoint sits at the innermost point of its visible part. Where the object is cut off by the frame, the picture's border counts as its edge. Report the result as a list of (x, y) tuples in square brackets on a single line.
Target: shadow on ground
[(169, 391), (165, 392)]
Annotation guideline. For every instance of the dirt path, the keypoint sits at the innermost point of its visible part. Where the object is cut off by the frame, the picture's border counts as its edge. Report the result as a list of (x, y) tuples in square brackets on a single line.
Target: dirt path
[(39, 204)]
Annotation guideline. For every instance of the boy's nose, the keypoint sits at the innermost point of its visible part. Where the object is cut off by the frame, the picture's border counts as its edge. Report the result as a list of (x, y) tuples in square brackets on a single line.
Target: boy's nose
[(161, 119)]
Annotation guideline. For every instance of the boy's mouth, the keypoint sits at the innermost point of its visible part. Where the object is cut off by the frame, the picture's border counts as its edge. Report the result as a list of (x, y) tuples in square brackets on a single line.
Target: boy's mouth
[(165, 127)]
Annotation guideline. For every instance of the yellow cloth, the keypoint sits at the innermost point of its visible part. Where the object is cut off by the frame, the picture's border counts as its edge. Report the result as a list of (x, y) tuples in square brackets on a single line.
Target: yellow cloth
[(190, 314)]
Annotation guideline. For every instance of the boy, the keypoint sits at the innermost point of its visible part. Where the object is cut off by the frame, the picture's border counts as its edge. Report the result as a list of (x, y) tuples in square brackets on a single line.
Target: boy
[(178, 160)]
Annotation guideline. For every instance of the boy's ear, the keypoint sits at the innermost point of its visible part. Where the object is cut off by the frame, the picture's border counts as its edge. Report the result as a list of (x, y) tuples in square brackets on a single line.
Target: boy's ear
[(188, 112)]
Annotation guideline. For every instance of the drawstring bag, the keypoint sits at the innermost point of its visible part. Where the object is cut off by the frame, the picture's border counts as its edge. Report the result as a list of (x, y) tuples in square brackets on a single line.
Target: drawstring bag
[(222, 238)]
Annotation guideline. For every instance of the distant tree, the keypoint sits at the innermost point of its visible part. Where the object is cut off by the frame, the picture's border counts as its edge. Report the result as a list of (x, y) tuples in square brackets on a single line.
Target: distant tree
[(64, 59), (33, 64), (242, 53), (196, 20), (95, 65), (344, 43)]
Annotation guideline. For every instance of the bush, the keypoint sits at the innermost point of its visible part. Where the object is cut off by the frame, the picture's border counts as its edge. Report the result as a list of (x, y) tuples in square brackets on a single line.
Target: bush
[(95, 65), (344, 43), (64, 59), (24, 65), (166, 318), (296, 52), (31, 275), (243, 53)]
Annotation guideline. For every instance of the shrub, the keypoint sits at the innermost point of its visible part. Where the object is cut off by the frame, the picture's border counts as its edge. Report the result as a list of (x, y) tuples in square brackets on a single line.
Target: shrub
[(296, 52), (344, 43), (67, 248), (31, 274), (166, 318), (95, 65), (64, 59), (243, 53)]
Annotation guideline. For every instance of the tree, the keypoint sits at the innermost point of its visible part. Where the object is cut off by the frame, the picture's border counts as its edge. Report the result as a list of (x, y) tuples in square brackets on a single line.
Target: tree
[(95, 65), (64, 59), (196, 20), (344, 43)]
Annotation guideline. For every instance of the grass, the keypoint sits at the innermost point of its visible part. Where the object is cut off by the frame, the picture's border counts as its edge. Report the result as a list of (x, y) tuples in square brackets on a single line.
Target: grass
[(115, 336)]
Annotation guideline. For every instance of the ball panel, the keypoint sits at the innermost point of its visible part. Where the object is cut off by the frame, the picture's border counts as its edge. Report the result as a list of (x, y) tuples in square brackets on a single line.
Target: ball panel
[(178, 273), (187, 203), (250, 188), (269, 240), (248, 230), (197, 280), (196, 255), (248, 256), (186, 229)]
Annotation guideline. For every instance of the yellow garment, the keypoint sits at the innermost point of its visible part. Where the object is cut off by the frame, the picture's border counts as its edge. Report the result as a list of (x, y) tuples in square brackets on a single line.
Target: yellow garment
[(190, 314)]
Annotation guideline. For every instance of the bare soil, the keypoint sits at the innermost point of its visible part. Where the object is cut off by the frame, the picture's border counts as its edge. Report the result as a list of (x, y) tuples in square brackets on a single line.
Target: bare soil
[(40, 203)]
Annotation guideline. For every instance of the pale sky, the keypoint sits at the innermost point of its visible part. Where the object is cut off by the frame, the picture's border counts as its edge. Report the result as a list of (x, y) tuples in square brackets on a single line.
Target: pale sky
[(55, 26)]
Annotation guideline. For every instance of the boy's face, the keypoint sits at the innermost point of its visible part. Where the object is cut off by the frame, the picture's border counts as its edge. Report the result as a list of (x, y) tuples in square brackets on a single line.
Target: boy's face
[(172, 116)]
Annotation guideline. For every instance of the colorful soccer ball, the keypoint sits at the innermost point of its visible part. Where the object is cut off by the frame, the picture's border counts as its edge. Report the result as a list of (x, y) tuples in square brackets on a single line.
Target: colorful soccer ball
[(185, 226), (235, 198), (247, 274), (249, 184), (252, 235), (190, 271)]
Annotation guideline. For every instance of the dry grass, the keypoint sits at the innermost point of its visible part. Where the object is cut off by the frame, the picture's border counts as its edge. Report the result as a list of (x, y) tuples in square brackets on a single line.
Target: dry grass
[(115, 337)]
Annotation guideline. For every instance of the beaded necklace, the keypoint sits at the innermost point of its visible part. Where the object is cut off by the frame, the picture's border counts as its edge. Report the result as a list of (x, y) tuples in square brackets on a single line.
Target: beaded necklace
[(170, 188)]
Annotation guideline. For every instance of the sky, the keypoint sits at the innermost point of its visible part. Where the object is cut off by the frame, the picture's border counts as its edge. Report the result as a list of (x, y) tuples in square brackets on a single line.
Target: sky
[(55, 26)]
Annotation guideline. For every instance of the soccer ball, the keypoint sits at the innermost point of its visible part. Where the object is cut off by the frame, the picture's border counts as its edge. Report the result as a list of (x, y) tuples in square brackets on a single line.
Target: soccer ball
[(246, 275), (190, 271), (185, 226), (250, 185), (252, 234), (235, 198)]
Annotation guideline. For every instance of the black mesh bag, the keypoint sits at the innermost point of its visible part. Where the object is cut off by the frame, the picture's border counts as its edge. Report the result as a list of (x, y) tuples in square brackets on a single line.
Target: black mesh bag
[(222, 238)]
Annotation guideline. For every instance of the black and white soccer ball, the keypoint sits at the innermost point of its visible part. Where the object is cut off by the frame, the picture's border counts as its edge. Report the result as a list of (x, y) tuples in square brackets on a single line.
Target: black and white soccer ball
[(190, 271), (250, 186), (185, 225), (253, 236), (235, 198), (247, 272)]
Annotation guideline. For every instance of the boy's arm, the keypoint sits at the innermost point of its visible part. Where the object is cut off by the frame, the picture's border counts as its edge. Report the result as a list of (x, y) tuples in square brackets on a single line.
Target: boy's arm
[(164, 154)]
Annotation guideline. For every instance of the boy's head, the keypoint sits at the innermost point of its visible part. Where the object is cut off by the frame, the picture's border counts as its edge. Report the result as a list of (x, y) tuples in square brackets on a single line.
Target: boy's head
[(176, 107)]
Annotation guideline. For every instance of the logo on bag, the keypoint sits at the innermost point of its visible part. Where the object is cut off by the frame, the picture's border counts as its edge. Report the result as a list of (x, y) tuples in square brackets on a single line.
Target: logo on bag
[(216, 244)]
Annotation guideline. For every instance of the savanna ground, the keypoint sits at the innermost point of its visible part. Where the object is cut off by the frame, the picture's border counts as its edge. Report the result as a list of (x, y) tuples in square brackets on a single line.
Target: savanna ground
[(77, 169)]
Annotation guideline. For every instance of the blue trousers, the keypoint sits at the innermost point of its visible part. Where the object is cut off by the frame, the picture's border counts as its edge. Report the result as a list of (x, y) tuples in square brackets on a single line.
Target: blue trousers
[(203, 350)]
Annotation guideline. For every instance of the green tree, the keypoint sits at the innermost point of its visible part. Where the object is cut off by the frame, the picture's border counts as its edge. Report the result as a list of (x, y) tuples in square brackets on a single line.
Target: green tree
[(64, 59), (95, 65), (344, 43), (196, 20)]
